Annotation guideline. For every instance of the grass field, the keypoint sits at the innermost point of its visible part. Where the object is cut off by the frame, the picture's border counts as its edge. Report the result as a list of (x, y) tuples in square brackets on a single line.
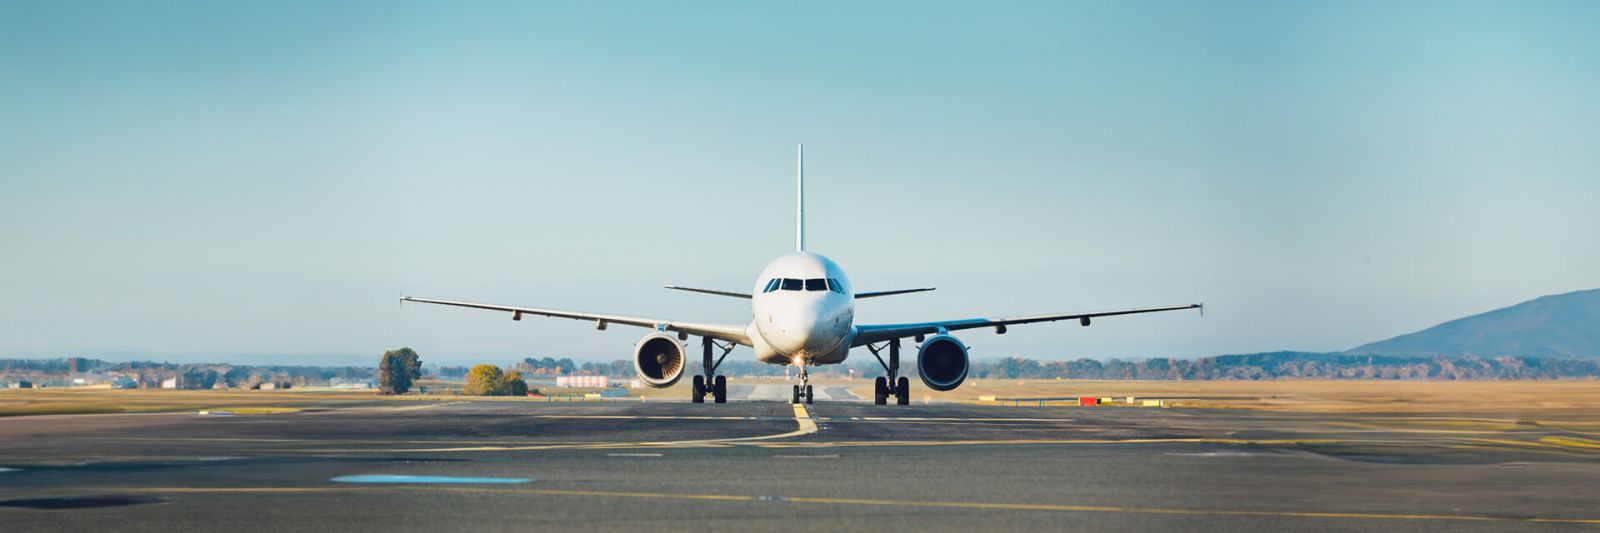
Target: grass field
[(1282, 395)]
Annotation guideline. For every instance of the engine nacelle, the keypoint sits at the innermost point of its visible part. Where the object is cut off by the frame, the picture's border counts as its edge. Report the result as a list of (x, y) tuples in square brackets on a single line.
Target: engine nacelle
[(659, 360), (942, 362)]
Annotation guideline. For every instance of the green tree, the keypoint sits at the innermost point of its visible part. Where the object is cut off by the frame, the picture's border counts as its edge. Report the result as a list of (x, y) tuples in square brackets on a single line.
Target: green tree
[(398, 370), (513, 385), (485, 380)]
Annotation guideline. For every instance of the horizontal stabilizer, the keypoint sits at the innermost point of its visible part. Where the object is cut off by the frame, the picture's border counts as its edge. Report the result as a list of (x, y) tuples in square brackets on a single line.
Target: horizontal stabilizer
[(732, 294), (860, 295)]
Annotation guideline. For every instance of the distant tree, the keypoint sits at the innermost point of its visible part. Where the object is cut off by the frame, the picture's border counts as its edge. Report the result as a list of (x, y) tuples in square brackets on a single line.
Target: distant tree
[(566, 366), (485, 380), (398, 370), (513, 385)]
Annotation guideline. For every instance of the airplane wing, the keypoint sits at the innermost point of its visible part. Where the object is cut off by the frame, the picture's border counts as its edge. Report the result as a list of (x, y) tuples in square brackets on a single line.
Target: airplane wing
[(726, 332), (875, 294), (867, 334), (744, 295)]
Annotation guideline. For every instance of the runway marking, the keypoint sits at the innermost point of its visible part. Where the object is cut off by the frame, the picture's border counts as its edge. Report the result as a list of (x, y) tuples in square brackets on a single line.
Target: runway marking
[(421, 407), (802, 418), (881, 503), (828, 456), (941, 419), (1572, 442), (381, 478), (1180, 440), (633, 455)]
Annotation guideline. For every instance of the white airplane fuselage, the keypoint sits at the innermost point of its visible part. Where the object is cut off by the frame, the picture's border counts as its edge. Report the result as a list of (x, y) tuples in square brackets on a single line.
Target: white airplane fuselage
[(806, 317)]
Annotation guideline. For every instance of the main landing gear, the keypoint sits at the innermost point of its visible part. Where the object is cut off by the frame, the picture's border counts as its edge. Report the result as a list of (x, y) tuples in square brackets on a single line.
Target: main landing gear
[(710, 383), (803, 390), (895, 384)]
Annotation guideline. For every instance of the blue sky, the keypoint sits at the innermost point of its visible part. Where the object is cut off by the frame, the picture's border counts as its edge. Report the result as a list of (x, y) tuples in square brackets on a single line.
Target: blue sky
[(213, 178)]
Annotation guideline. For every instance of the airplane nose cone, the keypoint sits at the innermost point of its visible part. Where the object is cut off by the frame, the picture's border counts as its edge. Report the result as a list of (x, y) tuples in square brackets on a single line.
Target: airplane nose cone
[(793, 326)]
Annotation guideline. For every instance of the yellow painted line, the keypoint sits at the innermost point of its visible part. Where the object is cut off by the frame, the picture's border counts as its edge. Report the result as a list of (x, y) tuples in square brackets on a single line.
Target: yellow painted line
[(944, 419), (1048, 441), (874, 502), (240, 490), (807, 425), (1572, 442)]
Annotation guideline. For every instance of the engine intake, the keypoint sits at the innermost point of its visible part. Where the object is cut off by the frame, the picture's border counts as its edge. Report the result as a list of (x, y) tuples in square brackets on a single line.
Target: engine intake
[(659, 360), (942, 362)]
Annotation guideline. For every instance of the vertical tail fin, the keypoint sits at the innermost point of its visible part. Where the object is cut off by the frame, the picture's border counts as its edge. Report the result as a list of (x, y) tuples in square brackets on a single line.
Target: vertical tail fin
[(800, 200)]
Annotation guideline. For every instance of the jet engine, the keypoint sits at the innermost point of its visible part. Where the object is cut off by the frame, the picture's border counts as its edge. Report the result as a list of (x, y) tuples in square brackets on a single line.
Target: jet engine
[(659, 360), (942, 362)]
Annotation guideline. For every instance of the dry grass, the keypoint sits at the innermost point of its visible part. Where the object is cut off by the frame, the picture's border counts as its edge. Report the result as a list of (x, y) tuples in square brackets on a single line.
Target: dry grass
[(15, 402)]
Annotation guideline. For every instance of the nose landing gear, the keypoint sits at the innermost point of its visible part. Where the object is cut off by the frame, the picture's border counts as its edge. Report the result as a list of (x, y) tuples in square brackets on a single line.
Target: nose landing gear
[(711, 384), (895, 384), (803, 390)]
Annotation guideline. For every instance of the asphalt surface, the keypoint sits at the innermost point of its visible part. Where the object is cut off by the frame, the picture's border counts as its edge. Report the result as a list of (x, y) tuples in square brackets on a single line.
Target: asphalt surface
[(744, 466)]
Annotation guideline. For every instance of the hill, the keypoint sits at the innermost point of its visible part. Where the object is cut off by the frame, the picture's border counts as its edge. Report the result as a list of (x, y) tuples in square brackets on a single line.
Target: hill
[(1561, 325)]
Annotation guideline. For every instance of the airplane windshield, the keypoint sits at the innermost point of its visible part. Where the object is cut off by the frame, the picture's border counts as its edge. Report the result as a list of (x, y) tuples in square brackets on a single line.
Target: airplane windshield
[(817, 284), (772, 285), (792, 284)]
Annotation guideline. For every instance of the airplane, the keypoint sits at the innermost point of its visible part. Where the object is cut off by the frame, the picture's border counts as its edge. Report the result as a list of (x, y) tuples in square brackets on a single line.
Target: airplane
[(802, 314)]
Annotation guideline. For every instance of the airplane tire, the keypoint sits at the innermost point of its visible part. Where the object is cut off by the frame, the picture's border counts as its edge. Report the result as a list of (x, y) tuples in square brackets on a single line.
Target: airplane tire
[(880, 391), (796, 397), (902, 392), (719, 389), (809, 397), (699, 394)]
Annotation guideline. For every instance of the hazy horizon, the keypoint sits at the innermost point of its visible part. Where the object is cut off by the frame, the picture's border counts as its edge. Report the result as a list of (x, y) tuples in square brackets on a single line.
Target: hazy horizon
[(193, 178)]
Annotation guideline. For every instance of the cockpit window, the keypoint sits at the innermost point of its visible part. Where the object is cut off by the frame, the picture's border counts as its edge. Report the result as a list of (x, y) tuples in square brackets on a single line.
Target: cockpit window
[(816, 284), (833, 285), (790, 284), (772, 285)]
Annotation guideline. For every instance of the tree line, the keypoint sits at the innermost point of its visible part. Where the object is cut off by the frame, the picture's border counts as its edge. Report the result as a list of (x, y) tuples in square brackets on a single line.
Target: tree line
[(1292, 365)]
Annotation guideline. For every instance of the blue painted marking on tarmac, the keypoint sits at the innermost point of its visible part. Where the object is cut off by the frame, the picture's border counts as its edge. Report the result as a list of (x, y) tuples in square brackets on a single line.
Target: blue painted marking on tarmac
[(426, 479)]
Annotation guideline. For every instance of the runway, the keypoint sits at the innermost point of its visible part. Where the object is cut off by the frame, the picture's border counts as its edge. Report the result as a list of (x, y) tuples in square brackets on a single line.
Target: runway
[(780, 393), (498, 465)]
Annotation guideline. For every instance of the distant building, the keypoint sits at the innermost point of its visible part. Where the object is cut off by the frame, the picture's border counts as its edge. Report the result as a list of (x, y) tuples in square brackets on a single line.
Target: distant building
[(585, 382), (169, 383), (124, 382), (352, 384), (22, 384)]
